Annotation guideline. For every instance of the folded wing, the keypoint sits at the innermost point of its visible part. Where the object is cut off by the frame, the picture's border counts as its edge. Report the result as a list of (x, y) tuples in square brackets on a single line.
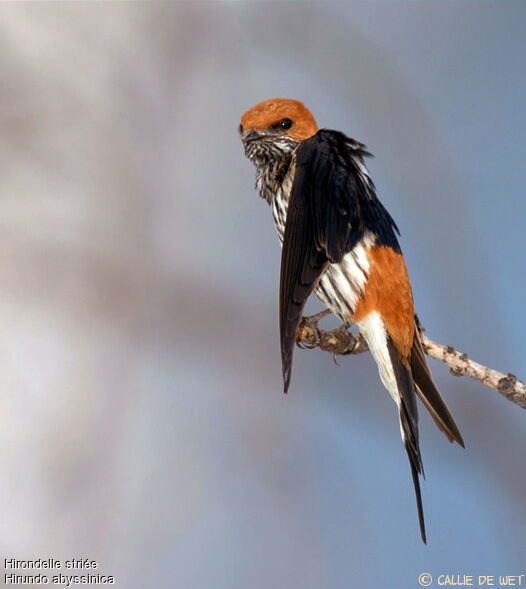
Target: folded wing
[(332, 203)]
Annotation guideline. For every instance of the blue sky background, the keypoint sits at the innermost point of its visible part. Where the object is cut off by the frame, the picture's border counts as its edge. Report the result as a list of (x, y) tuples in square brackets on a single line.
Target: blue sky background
[(143, 423)]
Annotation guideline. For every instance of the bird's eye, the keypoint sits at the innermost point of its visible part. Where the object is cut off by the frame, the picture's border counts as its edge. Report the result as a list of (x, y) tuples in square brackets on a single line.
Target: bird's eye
[(285, 123)]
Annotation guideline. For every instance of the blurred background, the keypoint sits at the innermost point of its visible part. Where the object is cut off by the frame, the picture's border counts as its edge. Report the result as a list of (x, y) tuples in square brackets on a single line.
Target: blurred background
[(142, 419)]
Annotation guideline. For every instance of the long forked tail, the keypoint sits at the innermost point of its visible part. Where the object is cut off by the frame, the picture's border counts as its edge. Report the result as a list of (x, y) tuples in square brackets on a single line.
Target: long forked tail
[(405, 376), (395, 373)]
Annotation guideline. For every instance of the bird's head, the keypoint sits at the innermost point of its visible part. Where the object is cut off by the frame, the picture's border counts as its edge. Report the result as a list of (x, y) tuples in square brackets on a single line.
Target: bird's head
[(273, 129)]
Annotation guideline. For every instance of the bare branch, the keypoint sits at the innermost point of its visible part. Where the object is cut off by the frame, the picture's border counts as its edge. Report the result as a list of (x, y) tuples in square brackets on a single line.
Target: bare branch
[(341, 341)]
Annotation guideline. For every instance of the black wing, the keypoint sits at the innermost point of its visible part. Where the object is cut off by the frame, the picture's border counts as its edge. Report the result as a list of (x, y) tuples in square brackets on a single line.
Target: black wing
[(332, 203)]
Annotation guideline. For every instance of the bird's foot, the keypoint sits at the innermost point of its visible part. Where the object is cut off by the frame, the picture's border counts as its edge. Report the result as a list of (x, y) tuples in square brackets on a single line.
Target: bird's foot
[(308, 334)]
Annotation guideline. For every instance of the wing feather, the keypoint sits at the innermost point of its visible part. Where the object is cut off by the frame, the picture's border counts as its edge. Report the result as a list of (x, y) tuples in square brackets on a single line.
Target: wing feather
[(430, 395), (408, 414)]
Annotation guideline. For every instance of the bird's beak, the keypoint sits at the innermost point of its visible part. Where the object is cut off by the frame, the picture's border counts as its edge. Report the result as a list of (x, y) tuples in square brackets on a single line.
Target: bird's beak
[(252, 135)]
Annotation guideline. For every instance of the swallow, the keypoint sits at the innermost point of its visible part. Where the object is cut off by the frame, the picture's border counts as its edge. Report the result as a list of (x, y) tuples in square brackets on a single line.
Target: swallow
[(340, 242)]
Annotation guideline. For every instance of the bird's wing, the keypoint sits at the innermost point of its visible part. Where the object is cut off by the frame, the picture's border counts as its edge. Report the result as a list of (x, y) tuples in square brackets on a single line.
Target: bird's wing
[(332, 203)]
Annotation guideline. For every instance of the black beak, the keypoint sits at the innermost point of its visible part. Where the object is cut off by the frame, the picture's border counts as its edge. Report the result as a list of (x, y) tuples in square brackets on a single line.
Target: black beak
[(252, 136)]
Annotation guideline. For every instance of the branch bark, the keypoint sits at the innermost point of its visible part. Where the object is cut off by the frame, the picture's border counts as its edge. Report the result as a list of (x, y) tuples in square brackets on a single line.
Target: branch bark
[(341, 341)]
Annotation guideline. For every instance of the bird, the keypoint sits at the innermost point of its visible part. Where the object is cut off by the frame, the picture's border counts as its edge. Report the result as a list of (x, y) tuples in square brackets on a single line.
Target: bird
[(340, 242)]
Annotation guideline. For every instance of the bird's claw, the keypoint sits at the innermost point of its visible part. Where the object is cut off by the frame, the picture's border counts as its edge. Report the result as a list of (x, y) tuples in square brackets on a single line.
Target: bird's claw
[(307, 335)]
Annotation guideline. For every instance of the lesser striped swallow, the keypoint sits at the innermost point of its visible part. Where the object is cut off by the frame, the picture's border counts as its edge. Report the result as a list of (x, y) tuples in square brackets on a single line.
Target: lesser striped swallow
[(340, 242)]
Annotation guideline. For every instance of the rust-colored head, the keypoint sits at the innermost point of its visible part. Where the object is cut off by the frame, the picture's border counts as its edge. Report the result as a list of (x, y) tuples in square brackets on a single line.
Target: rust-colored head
[(282, 115)]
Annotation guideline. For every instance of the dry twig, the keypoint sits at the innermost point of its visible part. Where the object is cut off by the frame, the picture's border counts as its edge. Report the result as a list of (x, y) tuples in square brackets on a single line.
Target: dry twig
[(341, 341)]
